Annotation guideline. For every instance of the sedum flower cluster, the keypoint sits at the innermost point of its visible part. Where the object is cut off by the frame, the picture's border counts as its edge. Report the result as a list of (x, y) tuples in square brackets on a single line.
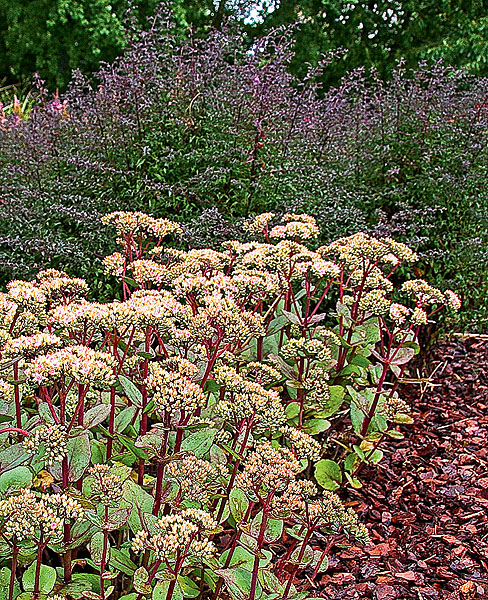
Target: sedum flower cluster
[(198, 479), (246, 399), (84, 365), (53, 439), (29, 515), (180, 535)]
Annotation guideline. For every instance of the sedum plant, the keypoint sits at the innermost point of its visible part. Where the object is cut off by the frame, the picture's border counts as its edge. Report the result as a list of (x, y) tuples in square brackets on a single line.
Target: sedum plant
[(187, 440)]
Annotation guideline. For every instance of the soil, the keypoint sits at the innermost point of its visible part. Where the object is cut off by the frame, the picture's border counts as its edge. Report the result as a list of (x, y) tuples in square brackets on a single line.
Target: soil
[(427, 505)]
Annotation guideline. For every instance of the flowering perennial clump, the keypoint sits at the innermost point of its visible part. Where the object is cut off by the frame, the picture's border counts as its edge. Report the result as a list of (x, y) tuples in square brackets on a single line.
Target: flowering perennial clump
[(230, 390)]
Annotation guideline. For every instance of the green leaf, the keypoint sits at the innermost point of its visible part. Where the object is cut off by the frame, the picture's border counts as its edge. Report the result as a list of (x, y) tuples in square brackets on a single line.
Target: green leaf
[(273, 530), (5, 582), (375, 457), (160, 592), (396, 435), (314, 426), (291, 317), (242, 557), (361, 361), (96, 415), (238, 504), (328, 474), (402, 356), (140, 581), (292, 410), (238, 582), (130, 445), (188, 587), (354, 481), (337, 393), (357, 416), (120, 561), (124, 418), (95, 548), (12, 457), (47, 578), (131, 391), (78, 457), (199, 442), (351, 461), (15, 479)]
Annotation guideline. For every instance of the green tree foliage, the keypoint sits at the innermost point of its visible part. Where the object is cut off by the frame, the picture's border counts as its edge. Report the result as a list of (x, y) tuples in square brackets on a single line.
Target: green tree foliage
[(377, 33), (53, 37)]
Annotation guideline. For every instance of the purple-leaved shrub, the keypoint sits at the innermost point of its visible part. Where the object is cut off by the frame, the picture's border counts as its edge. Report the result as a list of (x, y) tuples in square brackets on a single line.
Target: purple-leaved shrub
[(218, 127)]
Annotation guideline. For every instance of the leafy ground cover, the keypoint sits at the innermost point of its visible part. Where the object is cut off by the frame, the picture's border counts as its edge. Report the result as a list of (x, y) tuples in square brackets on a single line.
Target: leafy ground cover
[(427, 505), (187, 441)]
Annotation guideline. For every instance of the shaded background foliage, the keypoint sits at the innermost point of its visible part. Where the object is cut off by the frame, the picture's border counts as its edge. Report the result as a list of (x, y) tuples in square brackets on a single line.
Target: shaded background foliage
[(53, 38), (211, 127)]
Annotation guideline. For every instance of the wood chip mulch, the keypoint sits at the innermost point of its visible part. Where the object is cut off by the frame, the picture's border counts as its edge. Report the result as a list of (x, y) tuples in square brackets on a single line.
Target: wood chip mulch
[(427, 504)]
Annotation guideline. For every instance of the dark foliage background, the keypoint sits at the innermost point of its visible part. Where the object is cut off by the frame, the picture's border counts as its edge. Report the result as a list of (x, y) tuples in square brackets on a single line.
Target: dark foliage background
[(55, 37), (211, 124)]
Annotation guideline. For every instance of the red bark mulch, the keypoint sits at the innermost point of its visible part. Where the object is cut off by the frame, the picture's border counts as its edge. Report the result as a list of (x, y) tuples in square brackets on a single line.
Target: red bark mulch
[(427, 504)]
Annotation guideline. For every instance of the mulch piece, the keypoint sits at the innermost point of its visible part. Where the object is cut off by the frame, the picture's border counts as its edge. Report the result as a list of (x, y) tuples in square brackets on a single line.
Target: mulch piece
[(427, 505)]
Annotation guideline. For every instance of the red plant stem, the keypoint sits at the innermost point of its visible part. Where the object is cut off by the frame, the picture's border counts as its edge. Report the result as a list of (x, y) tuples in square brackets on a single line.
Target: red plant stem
[(15, 429), (211, 363), (325, 552), (291, 548), (143, 425), (103, 559), (306, 539), (40, 550), (18, 412), (67, 556), (111, 423), (159, 476), (13, 570), (152, 574), (260, 543), (368, 418), (232, 549), (234, 471)]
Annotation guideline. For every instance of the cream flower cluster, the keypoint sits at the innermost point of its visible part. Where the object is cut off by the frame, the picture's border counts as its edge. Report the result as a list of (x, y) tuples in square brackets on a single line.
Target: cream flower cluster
[(59, 285), (422, 292), (329, 511), (197, 478), (354, 249), (303, 227), (114, 264), (29, 515), (84, 365), (54, 440), (140, 224), (78, 316), (268, 469), (302, 444), (184, 534), (27, 295), (106, 486), (258, 224), (302, 347), (29, 347), (244, 399), (173, 392)]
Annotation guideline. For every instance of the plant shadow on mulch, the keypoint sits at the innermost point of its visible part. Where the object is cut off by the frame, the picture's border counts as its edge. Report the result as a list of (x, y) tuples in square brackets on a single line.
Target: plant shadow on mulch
[(427, 506)]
